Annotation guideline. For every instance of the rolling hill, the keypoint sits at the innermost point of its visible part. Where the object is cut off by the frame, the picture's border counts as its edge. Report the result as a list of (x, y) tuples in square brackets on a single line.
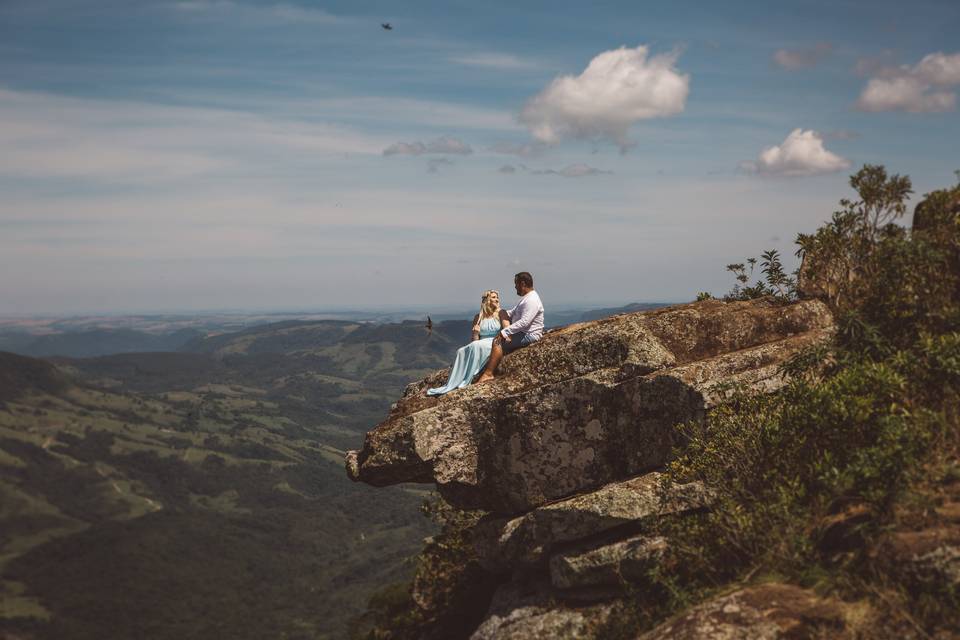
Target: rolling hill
[(181, 514)]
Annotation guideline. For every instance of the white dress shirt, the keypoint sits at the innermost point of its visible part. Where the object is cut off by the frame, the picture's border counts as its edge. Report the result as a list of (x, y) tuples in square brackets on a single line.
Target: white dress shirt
[(526, 317)]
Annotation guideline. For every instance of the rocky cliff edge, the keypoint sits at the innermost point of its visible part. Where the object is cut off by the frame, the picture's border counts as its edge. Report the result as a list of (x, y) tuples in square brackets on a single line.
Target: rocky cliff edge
[(589, 404)]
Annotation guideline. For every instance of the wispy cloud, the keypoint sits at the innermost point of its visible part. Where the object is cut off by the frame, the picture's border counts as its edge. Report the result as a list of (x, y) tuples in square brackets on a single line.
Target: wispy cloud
[(801, 154), (804, 58), (443, 144), (411, 111), (435, 164), (499, 61), (578, 170), (527, 150), (50, 136), (279, 12), (841, 134), (926, 87), (618, 88)]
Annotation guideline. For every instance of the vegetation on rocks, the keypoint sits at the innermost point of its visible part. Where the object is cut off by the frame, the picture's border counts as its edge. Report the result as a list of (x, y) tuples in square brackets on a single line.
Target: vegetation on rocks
[(846, 482), (863, 444)]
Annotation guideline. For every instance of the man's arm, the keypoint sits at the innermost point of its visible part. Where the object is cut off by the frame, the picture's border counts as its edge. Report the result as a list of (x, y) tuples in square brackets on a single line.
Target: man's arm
[(522, 322)]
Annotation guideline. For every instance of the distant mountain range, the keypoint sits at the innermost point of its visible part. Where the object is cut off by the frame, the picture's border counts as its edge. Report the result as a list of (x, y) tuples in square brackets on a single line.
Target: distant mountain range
[(87, 337), (95, 342)]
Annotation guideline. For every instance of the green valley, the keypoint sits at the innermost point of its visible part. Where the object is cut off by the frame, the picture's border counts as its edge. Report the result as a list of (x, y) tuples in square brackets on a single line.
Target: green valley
[(202, 492)]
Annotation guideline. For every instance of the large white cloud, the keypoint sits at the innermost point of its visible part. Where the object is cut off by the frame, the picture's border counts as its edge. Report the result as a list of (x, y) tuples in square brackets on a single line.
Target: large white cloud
[(922, 88), (801, 154), (443, 144), (617, 88)]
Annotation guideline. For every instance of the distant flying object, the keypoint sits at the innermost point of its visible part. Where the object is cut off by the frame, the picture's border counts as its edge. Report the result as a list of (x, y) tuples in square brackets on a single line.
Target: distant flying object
[(429, 325), (387, 26)]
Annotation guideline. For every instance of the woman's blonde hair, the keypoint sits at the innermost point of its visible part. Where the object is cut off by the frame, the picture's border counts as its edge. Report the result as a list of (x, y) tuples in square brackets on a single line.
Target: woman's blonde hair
[(488, 308)]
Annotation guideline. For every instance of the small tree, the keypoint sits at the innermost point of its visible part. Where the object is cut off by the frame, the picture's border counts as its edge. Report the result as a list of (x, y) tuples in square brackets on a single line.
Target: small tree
[(839, 256)]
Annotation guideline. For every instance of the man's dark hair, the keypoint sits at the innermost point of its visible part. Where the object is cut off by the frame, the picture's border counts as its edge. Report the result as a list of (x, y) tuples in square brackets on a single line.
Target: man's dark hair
[(525, 278)]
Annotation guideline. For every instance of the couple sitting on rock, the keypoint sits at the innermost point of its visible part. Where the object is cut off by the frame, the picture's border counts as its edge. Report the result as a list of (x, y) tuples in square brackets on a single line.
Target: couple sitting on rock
[(496, 332)]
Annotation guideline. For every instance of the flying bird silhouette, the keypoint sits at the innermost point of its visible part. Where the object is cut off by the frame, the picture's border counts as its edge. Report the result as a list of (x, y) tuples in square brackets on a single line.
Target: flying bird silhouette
[(387, 26)]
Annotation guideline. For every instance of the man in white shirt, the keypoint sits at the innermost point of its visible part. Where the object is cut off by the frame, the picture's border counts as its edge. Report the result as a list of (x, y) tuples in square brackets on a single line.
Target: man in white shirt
[(526, 324)]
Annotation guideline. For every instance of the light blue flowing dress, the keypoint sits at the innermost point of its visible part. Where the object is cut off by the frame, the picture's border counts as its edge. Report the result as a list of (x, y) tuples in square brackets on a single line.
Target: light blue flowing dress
[(470, 358)]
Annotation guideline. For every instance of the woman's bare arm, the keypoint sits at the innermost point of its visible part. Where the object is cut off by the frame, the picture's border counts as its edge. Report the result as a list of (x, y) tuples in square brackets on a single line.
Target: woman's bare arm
[(476, 328)]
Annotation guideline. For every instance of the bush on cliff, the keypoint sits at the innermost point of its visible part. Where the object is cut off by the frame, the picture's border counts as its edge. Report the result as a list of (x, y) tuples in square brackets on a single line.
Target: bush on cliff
[(859, 441)]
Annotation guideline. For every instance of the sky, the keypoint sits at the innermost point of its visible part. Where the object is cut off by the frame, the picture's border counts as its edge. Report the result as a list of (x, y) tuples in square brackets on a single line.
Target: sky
[(177, 155)]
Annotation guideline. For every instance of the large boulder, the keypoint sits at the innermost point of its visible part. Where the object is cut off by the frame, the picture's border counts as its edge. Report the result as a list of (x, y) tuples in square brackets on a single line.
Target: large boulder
[(770, 611), (587, 405), (503, 544)]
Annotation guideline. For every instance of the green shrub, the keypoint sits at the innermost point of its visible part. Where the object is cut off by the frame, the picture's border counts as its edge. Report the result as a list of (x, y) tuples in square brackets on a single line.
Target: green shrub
[(865, 420)]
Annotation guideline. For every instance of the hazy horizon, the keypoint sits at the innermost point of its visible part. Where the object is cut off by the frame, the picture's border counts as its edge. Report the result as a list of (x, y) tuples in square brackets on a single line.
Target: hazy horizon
[(339, 311)]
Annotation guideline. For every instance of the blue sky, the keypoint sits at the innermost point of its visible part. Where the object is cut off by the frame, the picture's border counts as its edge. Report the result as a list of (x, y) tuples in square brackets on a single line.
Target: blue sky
[(210, 154)]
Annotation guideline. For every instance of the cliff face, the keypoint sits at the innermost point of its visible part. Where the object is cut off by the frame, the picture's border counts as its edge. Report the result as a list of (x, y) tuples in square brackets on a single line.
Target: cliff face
[(563, 450), (589, 404)]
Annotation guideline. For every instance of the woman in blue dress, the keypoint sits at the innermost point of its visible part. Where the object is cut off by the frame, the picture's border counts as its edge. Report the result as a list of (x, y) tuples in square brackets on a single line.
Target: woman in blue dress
[(472, 357)]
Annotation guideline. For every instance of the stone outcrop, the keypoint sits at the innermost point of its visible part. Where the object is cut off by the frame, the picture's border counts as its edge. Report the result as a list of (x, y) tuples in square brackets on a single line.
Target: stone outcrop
[(503, 544), (770, 611), (565, 452), (607, 565), (526, 611), (589, 404), (931, 556)]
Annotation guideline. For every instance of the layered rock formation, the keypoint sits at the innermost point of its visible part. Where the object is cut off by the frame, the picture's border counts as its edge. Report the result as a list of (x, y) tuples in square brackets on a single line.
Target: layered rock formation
[(563, 451), (587, 405)]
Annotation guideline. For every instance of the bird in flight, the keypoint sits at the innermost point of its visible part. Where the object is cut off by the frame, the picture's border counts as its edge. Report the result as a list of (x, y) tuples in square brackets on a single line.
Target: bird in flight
[(387, 26)]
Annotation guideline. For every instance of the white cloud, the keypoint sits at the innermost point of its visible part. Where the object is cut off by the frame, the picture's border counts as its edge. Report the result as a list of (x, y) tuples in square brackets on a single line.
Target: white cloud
[(617, 88), (443, 144), (801, 154), (507, 168), (923, 88), (500, 61), (794, 59)]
